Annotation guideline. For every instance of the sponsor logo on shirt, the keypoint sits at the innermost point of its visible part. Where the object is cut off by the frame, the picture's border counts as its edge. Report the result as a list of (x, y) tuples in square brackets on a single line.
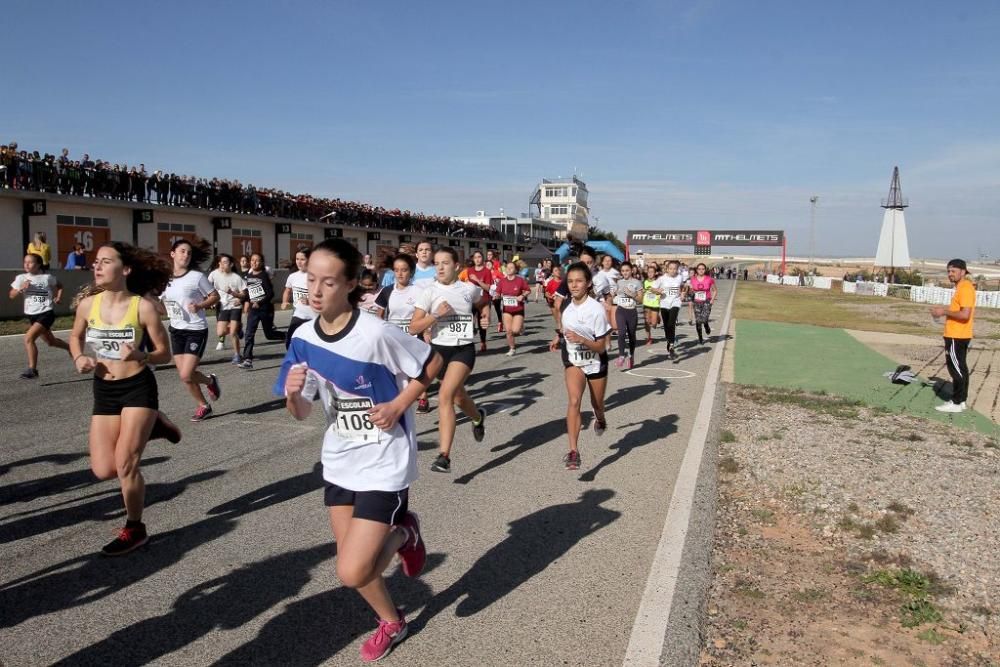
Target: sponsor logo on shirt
[(361, 383)]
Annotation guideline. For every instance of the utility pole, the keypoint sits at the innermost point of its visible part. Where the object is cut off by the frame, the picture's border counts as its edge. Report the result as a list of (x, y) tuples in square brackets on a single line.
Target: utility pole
[(812, 230)]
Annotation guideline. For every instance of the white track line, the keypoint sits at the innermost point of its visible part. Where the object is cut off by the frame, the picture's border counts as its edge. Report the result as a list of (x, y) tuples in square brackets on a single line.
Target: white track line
[(649, 630)]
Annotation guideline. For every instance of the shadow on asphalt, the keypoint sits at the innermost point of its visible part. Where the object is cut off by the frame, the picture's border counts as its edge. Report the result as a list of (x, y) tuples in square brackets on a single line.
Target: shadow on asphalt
[(649, 431), (312, 630), (24, 492), (84, 579), (259, 409), (524, 441), (532, 544), (103, 509), (58, 459)]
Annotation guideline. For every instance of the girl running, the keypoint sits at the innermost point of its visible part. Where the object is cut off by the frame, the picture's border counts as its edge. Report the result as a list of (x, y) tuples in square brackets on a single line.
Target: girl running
[(41, 291), (296, 295), (398, 302), (259, 307), (367, 373), (583, 342), (628, 291), (496, 269), (111, 321), (513, 290), (669, 287), (185, 300), (447, 309), (368, 285), (230, 287), (482, 277), (703, 293), (650, 303)]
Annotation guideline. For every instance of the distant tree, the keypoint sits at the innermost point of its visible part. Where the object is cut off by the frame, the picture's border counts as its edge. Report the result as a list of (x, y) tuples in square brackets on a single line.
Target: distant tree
[(598, 234)]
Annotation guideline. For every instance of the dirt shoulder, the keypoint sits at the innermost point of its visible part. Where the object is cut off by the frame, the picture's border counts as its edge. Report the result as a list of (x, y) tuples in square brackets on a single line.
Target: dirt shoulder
[(847, 535)]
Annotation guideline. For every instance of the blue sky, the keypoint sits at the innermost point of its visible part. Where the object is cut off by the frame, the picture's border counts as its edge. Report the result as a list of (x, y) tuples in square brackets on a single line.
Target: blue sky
[(692, 113)]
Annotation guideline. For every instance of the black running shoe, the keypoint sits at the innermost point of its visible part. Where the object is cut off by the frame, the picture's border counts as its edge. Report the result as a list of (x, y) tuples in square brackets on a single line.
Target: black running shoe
[(708, 329), (29, 374), (600, 427), (129, 539), (441, 464), (479, 430), (164, 428)]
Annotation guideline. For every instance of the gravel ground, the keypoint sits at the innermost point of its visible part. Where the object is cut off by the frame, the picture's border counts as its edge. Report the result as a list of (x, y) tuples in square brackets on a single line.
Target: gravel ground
[(857, 490), (986, 324)]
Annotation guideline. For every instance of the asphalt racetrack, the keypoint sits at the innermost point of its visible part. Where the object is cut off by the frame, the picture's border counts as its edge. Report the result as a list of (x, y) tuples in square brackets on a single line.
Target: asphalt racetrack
[(528, 564)]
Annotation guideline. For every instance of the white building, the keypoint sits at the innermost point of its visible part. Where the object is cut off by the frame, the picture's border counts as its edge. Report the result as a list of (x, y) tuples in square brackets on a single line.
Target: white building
[(564, 202), (519, 229)]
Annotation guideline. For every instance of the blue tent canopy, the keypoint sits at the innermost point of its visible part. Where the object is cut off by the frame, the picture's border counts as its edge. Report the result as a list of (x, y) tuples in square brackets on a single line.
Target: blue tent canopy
[(605, 247)]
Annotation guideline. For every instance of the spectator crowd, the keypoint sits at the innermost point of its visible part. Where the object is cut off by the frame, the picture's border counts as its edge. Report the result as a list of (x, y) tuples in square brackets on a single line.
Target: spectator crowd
[(86, 177)]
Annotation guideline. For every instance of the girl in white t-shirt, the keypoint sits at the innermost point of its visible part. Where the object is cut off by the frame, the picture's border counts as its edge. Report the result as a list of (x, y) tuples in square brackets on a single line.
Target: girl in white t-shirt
[(296, 295), (185, 300), (231, 289), (446, 308), (583, 341), (366, 373), (41, 291), (398, 303)]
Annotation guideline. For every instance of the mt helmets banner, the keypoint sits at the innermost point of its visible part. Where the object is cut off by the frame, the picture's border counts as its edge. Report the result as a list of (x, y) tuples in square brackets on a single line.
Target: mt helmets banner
[(734, 237)]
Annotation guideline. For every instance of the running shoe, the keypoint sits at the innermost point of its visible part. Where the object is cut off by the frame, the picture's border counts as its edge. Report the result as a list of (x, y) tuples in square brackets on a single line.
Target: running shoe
[(690, 323), (236, 360), (672, 352), (708, 329), (423, 406), (129, 539), (619, 362), (441, 464), (29, 374), (482, 347), (220, 345), (214, 390), (631, 363), (510, 352), (599, 427), (246, 363), (649, 341), (166, 429), (388, 635), (479, 430), (572, 460), (499, 328), (701, 341), (202, 413), (951, 407), (413, 553)]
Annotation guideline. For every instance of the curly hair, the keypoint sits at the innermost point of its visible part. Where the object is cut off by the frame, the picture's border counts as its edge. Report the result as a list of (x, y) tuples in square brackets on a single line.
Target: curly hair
[(149, 273)]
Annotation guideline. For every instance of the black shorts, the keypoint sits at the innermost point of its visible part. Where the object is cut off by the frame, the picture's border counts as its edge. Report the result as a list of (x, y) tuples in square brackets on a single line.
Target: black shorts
[(462, 354), (602, 372), (230, 315), (138, 391), (188, 341), (46, 319), (388, 507)]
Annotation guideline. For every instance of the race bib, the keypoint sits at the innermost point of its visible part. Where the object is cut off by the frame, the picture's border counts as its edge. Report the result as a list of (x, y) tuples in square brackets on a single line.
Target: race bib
[(511, 302), (457, 328), (583, 358), (300, 296), (174, 310), (673, 291), (701, 296), (38, 298), (353, 422), (255, 292), (402, 324), (625, 301), (107, 343)]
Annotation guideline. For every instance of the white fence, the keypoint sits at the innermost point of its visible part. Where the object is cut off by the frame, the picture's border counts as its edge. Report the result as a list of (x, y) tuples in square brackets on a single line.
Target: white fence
[(927, 294), (942, 296)]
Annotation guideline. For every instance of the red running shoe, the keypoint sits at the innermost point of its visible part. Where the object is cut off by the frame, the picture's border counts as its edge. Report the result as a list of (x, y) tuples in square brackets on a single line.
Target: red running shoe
[(413, 553)]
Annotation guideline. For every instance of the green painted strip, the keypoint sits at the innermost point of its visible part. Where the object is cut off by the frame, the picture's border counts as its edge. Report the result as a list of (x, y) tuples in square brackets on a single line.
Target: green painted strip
[(801, 356)]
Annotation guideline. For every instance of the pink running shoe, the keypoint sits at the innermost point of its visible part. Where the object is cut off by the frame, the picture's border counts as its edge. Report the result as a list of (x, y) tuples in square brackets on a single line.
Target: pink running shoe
[(388, 635), (413, 553)]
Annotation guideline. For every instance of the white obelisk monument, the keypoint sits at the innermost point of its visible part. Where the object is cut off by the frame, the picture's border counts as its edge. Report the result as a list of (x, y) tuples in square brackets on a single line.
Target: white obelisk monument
[(893, 250)]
